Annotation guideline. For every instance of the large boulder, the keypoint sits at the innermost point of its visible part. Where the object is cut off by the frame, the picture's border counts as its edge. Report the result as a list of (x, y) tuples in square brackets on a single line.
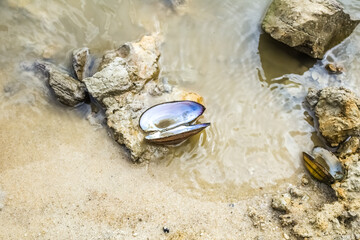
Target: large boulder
[(310, 26), (337, 110), (126, 86)]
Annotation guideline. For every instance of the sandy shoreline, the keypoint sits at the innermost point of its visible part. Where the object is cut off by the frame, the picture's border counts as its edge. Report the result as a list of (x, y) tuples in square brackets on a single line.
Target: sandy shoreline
[(75, 191)]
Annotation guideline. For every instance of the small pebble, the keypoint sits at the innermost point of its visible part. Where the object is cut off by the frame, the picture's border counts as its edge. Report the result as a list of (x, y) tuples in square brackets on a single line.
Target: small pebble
[(286, 236), (166, 230), (333, 68), (295, 192), (304, 180)]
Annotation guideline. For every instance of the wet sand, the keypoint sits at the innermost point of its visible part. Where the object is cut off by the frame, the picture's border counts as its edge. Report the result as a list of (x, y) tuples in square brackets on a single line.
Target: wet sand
[(71, 185)]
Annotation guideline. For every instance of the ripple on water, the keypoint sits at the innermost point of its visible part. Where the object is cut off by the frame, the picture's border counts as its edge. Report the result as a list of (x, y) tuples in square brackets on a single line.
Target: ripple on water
[(255, 137)]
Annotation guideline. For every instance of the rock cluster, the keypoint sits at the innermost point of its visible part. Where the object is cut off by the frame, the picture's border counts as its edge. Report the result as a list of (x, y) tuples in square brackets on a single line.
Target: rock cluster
[(338, 216), (125, 84), (310, 26)]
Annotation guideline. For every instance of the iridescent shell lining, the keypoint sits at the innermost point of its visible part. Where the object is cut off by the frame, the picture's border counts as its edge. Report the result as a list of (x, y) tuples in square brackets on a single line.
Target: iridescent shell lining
[(169, 123)]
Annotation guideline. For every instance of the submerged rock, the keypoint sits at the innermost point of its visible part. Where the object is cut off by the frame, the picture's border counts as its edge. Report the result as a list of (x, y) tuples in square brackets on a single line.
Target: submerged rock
[(178, 6), (337, 110), (310, 26), (68, 90)]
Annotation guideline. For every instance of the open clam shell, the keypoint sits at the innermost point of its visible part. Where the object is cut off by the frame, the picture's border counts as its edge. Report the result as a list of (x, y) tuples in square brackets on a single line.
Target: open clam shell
[(324, 165), (168, 123), (170, 115)]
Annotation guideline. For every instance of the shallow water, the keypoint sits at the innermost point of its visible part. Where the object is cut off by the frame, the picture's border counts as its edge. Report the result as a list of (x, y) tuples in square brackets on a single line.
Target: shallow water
[(253, 87)]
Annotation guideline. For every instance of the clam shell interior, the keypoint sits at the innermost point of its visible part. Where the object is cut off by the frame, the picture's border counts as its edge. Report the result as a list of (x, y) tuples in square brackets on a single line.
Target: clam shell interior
[(170, 115)]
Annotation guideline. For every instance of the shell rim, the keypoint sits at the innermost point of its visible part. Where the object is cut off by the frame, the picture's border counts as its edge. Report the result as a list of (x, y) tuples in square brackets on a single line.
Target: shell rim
[(166, 140), (203, 126), (176, 101)]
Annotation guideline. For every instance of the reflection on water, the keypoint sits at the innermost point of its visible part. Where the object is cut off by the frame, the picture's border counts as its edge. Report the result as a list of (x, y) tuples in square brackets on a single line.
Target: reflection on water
[(212, 47), (278, 59)]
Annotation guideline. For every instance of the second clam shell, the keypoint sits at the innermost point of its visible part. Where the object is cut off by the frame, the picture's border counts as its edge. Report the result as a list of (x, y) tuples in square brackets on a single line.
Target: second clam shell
[(324, 165), (169, 123)]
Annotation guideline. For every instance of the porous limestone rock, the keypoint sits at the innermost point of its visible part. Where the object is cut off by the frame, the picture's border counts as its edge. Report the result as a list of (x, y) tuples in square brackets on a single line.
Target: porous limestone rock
[(68, 90), (126, 86), (140, 58), (349, 188), (337, 110), (257, 219), (123, 112), (310, 26), (111, 80)]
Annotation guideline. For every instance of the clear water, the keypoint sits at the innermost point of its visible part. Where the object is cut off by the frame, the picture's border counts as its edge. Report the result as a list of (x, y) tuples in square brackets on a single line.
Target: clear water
[(253, 87)]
